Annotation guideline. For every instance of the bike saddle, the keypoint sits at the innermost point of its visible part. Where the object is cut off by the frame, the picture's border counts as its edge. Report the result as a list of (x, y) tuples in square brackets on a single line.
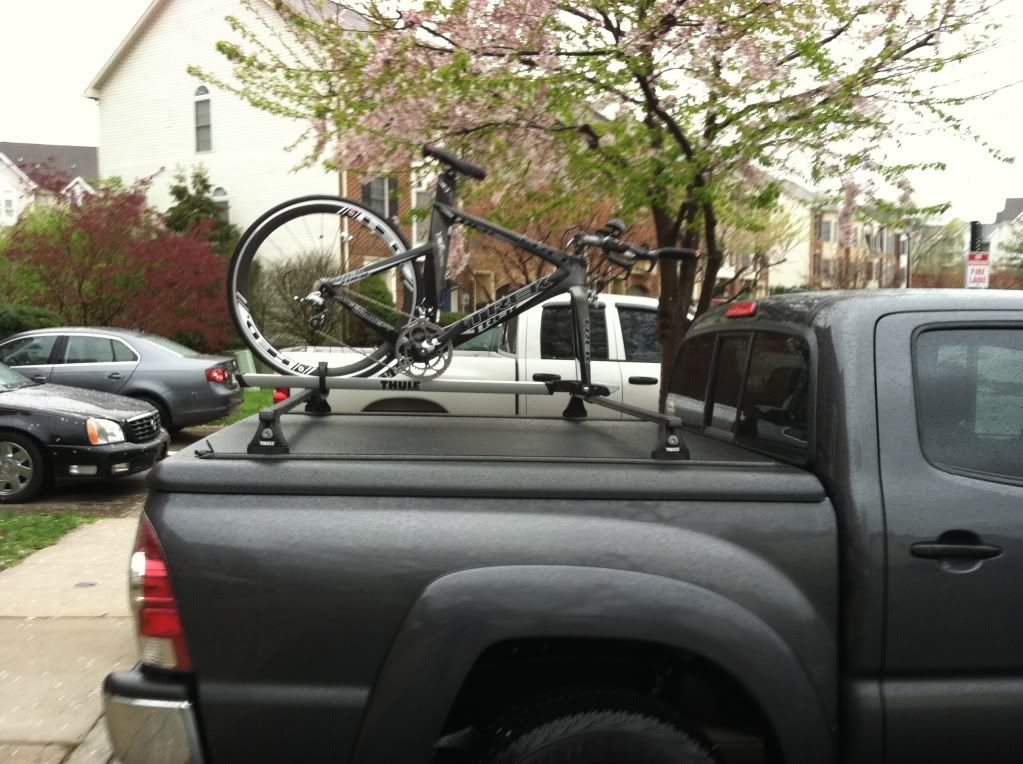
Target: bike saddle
[(455, 163)]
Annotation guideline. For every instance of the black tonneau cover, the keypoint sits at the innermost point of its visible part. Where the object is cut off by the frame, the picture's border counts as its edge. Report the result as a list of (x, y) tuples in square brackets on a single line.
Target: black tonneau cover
[(442, 455)]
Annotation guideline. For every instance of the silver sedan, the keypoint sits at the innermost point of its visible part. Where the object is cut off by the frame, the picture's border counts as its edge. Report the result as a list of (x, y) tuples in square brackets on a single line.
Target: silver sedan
[(186, 387)]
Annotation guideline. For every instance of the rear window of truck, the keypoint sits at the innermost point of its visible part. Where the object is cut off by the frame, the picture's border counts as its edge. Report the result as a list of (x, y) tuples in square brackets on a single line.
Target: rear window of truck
[(969, 393), (754, 385)]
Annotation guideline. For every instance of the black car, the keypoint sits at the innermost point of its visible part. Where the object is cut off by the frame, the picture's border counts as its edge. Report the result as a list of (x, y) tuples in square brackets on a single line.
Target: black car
[(52, 433)]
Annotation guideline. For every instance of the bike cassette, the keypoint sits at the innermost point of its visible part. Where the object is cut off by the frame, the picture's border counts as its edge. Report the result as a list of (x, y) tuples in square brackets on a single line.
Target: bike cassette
[(419, 352)]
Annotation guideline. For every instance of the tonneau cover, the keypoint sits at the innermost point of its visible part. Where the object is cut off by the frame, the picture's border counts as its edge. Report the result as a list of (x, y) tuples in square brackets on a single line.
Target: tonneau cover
[(442, 455)]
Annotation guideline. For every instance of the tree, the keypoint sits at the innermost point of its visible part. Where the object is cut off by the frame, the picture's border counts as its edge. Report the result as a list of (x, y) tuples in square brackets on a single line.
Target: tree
[(110, 261), (1012, 259), (937, 249), (195, 208), (658, 104)]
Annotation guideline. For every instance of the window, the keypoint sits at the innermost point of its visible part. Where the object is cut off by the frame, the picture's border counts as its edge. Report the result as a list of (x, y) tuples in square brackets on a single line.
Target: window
[(639, 330), (421, 225), (8, 208), (826, 230), (969, 389), (687, 389), (775, 412), (123, 353), (223, 202), (84, 349), (203, 121), (381, 196), (556, 330), (731, 365), (28, 351)]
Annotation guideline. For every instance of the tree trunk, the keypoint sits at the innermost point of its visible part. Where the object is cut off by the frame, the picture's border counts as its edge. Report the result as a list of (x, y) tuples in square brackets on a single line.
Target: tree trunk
[(713, 261), (676, 290)]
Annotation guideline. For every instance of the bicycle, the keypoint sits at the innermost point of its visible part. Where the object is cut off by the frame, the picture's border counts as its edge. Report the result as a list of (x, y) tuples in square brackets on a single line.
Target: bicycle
[(411, 342)]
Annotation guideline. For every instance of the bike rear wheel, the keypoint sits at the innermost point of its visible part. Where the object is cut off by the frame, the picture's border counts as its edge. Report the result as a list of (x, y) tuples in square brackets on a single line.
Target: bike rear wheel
[(284, 257)]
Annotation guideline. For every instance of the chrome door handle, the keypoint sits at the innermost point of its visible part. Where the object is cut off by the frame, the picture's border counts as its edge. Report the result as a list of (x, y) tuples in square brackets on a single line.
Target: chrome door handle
[(38, 377), (114, 375)]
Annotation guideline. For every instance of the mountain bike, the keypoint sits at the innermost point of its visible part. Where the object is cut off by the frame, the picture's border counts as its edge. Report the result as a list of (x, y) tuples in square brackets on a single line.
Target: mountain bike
[(328, 277)]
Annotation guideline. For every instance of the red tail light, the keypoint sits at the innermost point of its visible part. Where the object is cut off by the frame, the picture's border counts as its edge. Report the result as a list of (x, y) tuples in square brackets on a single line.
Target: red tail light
[(741, 309), (161, 636), (281, 394), (218, 374)]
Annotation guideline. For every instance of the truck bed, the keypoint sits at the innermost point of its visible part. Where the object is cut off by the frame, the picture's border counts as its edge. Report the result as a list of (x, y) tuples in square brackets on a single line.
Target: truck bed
[(360, 454)]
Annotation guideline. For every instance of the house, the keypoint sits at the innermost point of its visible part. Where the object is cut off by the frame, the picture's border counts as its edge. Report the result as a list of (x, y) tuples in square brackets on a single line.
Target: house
[(32, 172), (995, 235), (155, 119)]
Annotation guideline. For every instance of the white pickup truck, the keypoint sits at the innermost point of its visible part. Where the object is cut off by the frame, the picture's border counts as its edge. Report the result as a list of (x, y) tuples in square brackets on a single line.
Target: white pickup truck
[(537, 345)]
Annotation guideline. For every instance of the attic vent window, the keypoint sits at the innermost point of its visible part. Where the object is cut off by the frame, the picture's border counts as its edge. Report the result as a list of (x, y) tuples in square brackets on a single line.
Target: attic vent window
[(203, 120)]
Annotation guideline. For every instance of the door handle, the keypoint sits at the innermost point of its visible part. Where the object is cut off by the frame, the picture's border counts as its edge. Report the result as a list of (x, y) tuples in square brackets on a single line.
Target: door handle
[(642, 380), (114, 375), (541, 377), (38, 377), (955, 545)]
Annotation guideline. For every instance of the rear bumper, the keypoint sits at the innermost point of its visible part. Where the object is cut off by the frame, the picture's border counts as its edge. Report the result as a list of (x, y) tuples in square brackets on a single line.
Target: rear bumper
[(150, 721), (193, 410)]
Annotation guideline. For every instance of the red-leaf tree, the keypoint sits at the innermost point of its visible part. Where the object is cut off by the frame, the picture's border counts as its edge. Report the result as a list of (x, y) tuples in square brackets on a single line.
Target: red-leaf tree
[(111, 261)]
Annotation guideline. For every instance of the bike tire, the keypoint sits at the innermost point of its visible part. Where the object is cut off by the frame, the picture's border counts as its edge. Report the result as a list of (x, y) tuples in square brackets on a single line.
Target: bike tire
[(388, 240)]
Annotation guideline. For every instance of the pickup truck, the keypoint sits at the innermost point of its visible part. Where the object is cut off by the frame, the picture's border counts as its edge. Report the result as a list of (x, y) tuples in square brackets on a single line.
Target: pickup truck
[(834, 574), (537, 345)]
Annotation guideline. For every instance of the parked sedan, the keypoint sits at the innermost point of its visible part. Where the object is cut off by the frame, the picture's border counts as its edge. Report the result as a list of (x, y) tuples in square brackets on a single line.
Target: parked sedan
[(186, 387), (51, 433)]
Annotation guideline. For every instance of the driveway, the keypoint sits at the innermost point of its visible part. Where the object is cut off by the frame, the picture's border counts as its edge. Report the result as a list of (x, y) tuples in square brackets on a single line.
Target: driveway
[(113, 498)]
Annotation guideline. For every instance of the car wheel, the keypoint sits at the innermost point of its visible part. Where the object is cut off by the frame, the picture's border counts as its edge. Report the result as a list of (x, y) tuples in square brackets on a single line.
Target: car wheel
[(22, 468), (597, 735)]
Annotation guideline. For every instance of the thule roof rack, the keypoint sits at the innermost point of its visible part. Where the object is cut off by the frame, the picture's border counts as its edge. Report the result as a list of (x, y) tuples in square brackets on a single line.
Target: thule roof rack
[(270, 439)]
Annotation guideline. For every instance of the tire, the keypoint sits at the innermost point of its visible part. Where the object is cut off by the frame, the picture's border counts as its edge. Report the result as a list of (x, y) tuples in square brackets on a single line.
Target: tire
[(19, 453), (268, 276), (600, 736)]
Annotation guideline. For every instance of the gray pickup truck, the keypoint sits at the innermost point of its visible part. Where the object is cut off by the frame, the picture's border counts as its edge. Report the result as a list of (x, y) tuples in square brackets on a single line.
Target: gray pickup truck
[(835, 574)]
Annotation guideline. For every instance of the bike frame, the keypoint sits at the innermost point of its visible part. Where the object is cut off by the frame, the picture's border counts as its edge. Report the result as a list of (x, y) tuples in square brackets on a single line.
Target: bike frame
[(569, 276)]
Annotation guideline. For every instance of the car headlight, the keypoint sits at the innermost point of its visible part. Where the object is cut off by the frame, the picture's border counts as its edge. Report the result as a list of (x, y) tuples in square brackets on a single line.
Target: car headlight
[(103, 431)]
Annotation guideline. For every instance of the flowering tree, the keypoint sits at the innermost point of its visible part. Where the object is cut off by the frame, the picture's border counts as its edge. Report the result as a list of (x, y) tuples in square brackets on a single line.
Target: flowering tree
[(110, 261), (658, 104)]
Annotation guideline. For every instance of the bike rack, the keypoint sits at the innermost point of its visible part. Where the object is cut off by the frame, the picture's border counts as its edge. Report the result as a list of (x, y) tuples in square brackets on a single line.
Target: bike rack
[(269, 437)]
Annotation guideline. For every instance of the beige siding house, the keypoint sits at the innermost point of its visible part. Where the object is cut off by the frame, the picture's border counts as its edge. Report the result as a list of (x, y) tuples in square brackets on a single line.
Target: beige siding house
[(156, 118)]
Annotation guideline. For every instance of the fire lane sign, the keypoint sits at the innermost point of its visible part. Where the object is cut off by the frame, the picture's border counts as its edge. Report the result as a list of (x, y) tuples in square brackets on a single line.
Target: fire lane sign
[(978, 270)]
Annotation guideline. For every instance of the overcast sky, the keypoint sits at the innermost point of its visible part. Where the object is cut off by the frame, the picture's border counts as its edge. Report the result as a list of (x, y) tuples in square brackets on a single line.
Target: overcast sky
[(53, 49)]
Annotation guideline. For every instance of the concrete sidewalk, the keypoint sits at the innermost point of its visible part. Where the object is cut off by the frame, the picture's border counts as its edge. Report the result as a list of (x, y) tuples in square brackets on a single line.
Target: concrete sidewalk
[(64, 624)]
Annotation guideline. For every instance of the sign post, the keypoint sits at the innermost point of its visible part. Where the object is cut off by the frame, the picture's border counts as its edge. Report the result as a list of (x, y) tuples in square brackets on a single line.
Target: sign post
[(978, 270)]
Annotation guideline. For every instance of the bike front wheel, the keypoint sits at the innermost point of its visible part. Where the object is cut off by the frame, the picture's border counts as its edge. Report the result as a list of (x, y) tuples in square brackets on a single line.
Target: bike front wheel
[(280, 310)]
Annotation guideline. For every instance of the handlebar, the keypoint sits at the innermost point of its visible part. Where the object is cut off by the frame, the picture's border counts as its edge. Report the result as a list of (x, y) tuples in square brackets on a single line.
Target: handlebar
[(614, 249)]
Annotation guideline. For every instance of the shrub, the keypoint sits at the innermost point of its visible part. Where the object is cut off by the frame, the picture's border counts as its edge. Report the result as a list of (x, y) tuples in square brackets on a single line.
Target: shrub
[(23, 318)]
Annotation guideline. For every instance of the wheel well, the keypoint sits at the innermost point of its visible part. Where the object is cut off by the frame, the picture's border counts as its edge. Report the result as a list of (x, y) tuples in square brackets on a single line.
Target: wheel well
[(406, 405), (156, 400), (39, 444), (711, 702)]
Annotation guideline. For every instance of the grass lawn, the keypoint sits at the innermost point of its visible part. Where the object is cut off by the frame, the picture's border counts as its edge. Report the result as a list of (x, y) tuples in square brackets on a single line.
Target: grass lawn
[(254, 400), (22, 534)]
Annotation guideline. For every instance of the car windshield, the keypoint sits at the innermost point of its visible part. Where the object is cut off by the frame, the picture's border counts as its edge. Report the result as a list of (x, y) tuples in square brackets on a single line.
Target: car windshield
[(10, 379), (171, 345)]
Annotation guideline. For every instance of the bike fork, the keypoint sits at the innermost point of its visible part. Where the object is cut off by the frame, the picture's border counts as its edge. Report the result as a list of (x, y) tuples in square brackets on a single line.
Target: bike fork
[(579, 296)]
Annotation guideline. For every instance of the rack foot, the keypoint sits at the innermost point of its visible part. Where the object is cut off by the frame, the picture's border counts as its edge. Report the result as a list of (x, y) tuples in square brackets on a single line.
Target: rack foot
[(268, 438), (575, 409)]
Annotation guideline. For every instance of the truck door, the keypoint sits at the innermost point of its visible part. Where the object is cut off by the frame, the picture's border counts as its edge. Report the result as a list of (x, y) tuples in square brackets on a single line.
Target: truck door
[(639, 354), (549, 353), (950, 425)]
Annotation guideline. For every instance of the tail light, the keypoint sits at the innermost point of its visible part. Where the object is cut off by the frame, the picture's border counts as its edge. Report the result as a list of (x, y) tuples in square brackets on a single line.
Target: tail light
[(281, 394), (218, 374), (161, 637)]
